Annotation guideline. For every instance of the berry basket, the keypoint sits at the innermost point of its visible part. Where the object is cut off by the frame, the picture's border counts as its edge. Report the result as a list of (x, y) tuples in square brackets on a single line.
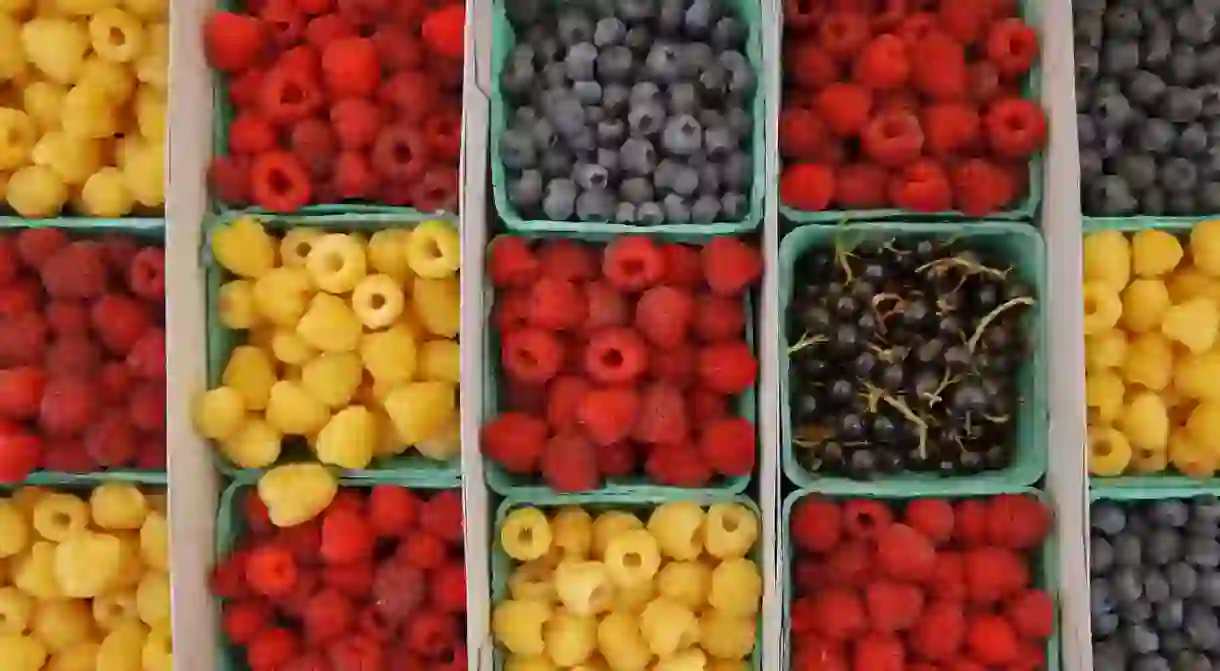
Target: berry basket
[(1022, 210), (522, 487), (411, 469), (231, 526), (502, 564), (1046, 571), (1013, 242), (145, 229), (504, 39)]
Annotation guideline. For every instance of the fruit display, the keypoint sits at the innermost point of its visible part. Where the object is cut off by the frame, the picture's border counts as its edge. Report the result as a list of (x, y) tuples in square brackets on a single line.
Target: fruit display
[(87, 583), (667, 589), (630, 111), (82, 353), (344, 101), (377, 582), (83, 115), (1152, 357), (1154, 586), (1147, 102), (352, 344), (904, 357), (621, 363), (887, 105), (925, 584)]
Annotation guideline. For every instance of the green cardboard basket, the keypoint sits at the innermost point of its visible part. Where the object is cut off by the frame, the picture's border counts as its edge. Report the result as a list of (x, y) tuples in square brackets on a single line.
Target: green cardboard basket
[(524, 487), (231, 526), (504, 39), (502, 564), (1023, 210), (1016, 243), (1169, 484), (412, 469), (1045, 569)]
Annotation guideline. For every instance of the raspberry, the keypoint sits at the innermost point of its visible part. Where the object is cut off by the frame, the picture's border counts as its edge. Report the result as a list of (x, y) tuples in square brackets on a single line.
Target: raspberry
[(392, 511), (807, 186), (606, 307), (21, 297), (443, 129), (816, 524), (271, 570), (664, 314), (991, 640), (119, 322), (76, 353), (411, 94), (994, 574), (563, 396), (350, 68), (69, 405), (682, 266), (949, 576), (271, 648), (839, 614), (422, 550), (359, 652), (1017, 521), (531, 354), (289, 95), (879, 652), (258, 518), (400, 153), (845, 108), (20, 454), (229, 179), (398, 48), (448, 593), (608, 414), (442, 515), (567, 260), (729, 445), (904, 553), (802, 15), (812, 67), (250, 133), (633, 263), (242, 620), (802, 135), (328, 615), (883, 64), (892, 138), (67, 456), (146, 360), (555, 304), (982, 82), (615, 356), (36, 245), (347, 537), (9, 260), (245, 89), (679, 465), (727, 367), (354, 580), (851, 563), (931, 517), (980, 187), (861, 186), (511, 262), (21, 390), (324, 29), (675, 365), (228, 578), (921, 186), (939, 67), (444, 31), (146, 278), (233, 42), (950, 127), (354, 177), (893, 606), (718, 318), (1032, 614), (663, 415), (115, 381), (730, 265), (315, 146), (111, 441), (280, 182), (616, 460), (569, 463), (865, 518), (1015, 127), (964, 20), (1013, 46), (430, 633), (75, 271), (939, 633), (22, 339), (284, 21), (514, 441), (843, 33), (312, 660), (437, 191), (526, 397)]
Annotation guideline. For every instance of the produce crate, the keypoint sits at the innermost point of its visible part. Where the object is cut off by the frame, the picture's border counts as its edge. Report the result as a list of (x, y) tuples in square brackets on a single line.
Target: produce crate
[(1015, 243), (528, 488), (412, 469), (1046, 567), (502, 564), (504, 39)]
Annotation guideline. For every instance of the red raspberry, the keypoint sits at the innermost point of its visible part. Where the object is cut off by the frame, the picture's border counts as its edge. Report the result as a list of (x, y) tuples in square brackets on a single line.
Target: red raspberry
[(411, 94), (146, 277), (9, 260), (444, 31), (73, 354), (883, 64), (970, 523), (115, 381), (430, 633), (569, 462), (994, 574), (893, 606), (242, 620), (807, 186), (1015, 127), (146, 360), (258, 518), (567, 260), (727, 368), (315, 145), (284, 21), (938, 635), (949, 576), (555, 304), (67, 456), (20, 454), (1032, 614), (526, 397), (802, 135), (916, 26), (21, 390), (245, 89), (289, 95), (68, 317), (839, 614), (802, 15), (991, 640), (879, 652), (354, 580), (347, 537), (36, 245), (682, 265), (448, 593), (718, 318), (313, 660), (75, 271), (1017, 521), (819, 656), (229, 180), (563, 396), (730, 265), (355, 122), (228, 577), (983, 82), (939, 70), (892, 138), (437, 191), (69, 405), (350, 67), (358, 652), (442, 515), (981, 187), (1013, 46), (851, 563), (531, 354), (443, 129), (866, 518), (511, 262), (616, 460), (422, 550), (279, 182), (251, 133), (664, 314), (328, 615), (400, 153), (22, 339), (615, 356), (861, 186), (904, 553), (21, 297), (663, 415), (111, 441), (675, 365), (514, 441), (233, 42), (398, 48), (964, 20), (844, 33), (271, 648), (303, 58), (324, 29), (811, 66), (816, 524), (730, 446), (633, 263), (271, 570), (606, 306), (845, 108), (679, 465), (950, 127), (922, 186), (931, 517), (608, 414), (354, 177), (392, 510)]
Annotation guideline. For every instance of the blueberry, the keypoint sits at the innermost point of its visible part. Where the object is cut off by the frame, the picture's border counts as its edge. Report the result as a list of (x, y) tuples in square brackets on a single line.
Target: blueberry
[(580, 62), (738, 121), (560, 200), (583, 143), (1109, 654), (1138, 169), (595, 205), (557, 162), (1120, 57), (1156, 588), (1174, 641), (1090, 165), (646, 118), (517, 149), (1179, 175), (1152, 201), (611, 132), (1157, 45), (1196, 28), (574, 26), (639, 38), (637, 157), (523, 12), (1211, 101), (636, 10), (1202, 627), (705, 210), (700, 16), (590, 176), (1112, 111), (644, 92), (661, 64), (1164, 546), (1084, 96), (713, 83), (737, 171), (1136, 612), (663, 176), (1111, 144), (595, 114), (525, 116), (636, 190), (1100, 591), (1109, 196), (733, 206), (588, 93), (1101, 556), (517, 79), (1151, 663), (615, 97), (546, 46), (693, 57), (608, 159), (740, 72), (1209, 197), (1105, 624), (1145, 88), (1181, 204), (1128, 549), (525, 192), (568, 116), (1182, 105), (624, 213), (682, 98), (728, 33), (709, 179), (650, 213), (1192, 141), (1170, 512), (682, 135), (1209, 588), (1157, 136), (543, 134), (1168, 615), (1122, 22), (670, 18), (555, 75), (609, 31), (677, 209), (1086, 132), (1209, 62)]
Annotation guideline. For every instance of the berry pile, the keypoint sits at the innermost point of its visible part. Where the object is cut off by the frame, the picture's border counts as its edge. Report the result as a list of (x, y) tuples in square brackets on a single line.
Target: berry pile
[(350, 100), (613, 593), (629, 110), (631, 357), (934, 585), (87, 584), (352, 344), (378, 582), (904, 357), (919, 110), (1155, 584), (1152, 351), (1148, 103), (82, 353)]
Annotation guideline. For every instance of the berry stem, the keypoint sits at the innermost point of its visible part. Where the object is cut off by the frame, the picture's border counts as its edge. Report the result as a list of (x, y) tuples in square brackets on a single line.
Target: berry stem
[(806, 341), (991, 316)]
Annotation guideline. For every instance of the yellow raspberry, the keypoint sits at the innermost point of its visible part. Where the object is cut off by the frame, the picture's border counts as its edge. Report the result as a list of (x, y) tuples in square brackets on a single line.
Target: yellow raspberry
[(1145, 421), (1154, 252), (421, 410), (16, 609), (289, 347), (1204, 426), (622, 643), (282, 294), (438, 304), (632, 557), (445, 445), (118, 506), (244, 248), (235, 305), (1102, 307), (1105, 350), (333, 378), (1188, 282), (726, 636), (633, 598), (584, 587), (336, 263), (1109, 451), (387, 254), (59, 516), (250, 373), (377, 301), (1149, 362), (1144, 304), (1103, 393), (1107, 259), (1196, 375), (1188, 455), (348, 439), (690, 659), (533, 580), (296, 244), (610, 524), (730, 530), (391, 355), (255, 444), (87, 564), (1147, 462), (1205, 246), (33, 571), (525, 534), (434, 250), (518, 626), (529, 663), (219, 413), (668, 626), (678, 528), (686, 582), (296, 493), (441, 360), (293, 411), (330, 325), (736, 587), (570, 638), (572, 529), (14, 529), (1193, 323)]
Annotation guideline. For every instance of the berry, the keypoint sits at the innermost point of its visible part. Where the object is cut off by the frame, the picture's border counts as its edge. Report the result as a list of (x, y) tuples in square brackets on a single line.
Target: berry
[(563, 397), (328, 615), (606, 306), (992, 640), (675, 365), (324, 29), (608, 414), (442, 515), (663, 415), (950, 127), (843, 34), (392, 510), (904, 553), (727, 368), (678, 465), (817, 525), (729, 446), (864, 518), (633, 263), (567, 260), (993, 574), (354, 580), (616, 460), (250, 133), (812, 67), (892, 138), (861, 186), (272, 648), (921, 186), (730, 265), (69, 405), (883, 64), (444, 31), (845, 108), (347, 537), (939, 67), (882, 652), (802, 135), (146, 360), (288, 95), (939, 633), (21, 390), (146, 278), (422, 550), (350, 67), (400, 153), (233, 42), (511, 262), (807, 186), (682, 265), (398, 48), (931, 517), (964, 20), (1016, 521), (615, 356), (271, 571), (20, 454), (315, 146), (514, 441), (839, 614), (229, 179), (1032, 614), (37, 245), (119, 322), (75, 271), (242, 620), (569, 459), (1013, 46), (718, 318), (556, 304), (111, 441), (280, 182), (893, 606), (1015, 127), (531, 354), (663, 315)]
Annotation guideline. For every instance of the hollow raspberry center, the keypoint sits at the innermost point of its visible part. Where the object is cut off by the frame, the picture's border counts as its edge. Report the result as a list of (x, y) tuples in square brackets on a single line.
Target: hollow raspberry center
[(612, 358)]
